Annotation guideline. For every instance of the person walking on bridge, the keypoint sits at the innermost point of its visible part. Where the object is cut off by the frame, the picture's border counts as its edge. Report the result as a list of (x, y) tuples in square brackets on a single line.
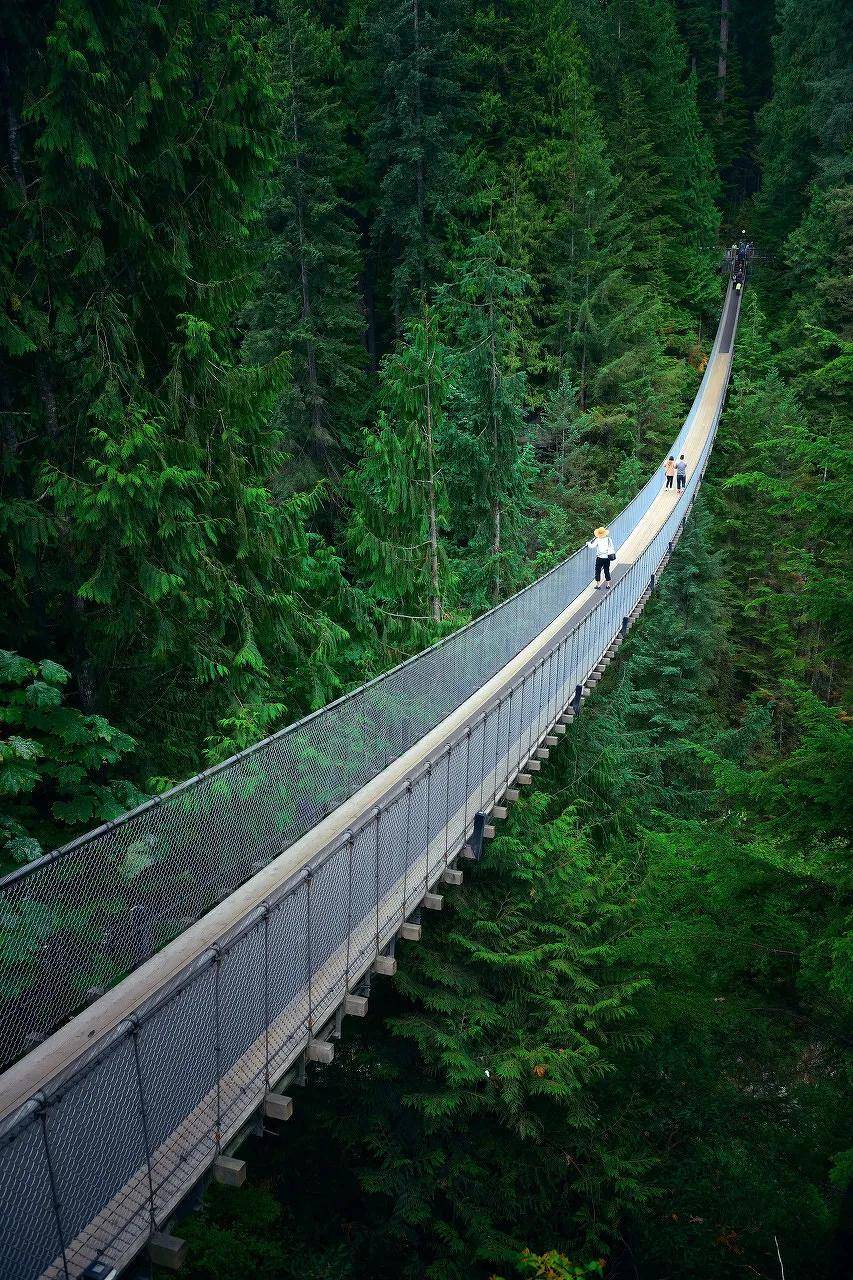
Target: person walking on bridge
[(681, 471), (669, 471), (605, 553)]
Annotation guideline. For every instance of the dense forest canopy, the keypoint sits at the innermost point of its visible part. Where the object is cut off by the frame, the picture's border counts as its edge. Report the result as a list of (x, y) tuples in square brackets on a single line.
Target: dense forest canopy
[(325, 327)]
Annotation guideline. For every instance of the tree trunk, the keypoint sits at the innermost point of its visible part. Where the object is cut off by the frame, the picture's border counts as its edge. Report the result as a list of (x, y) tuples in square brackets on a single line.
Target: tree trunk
[(722, 62), (496, 503), (83, 674), (45, 386), (310, 350), (420, 164), (435, 602), (369, 301)]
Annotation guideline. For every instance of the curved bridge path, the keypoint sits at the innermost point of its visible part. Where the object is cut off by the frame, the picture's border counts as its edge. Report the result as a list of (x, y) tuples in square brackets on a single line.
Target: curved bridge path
[(109, 1122)]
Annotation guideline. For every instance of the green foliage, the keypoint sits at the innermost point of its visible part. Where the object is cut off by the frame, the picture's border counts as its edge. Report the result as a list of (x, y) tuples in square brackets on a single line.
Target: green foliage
[(554, 1266), (149, 515), (414, 140), (399, 492), (306, 312), (234, 1235), (55, 762), (489, 461)]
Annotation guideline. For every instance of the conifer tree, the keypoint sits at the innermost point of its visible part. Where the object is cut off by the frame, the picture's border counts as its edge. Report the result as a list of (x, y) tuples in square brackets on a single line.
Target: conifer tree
[(488, 461), (399, 493), (584, 240), (713, 33), (806, 43), (149, 549), (639, 43), (307, 311), (414, 141)]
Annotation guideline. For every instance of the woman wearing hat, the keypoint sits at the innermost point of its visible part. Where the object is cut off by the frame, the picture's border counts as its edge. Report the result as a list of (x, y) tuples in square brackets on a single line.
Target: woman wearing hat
[(604, 553)]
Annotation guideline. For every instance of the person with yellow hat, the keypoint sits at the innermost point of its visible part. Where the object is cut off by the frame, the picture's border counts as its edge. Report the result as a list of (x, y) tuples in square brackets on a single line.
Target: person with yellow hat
[(605, 554)]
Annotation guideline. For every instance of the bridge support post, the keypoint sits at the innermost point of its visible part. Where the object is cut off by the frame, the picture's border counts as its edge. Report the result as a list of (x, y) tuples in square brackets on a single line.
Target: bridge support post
[(623, 631), (167, 1251), (277, 1106), (229, 1172), (577, 700), (322, 1051)]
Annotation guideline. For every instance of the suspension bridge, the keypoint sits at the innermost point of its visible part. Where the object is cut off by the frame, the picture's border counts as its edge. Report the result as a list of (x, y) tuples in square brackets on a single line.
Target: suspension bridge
[(164, 977)]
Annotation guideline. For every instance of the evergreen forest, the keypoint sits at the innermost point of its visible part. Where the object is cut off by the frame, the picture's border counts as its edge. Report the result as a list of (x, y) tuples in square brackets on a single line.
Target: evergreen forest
[(326, 326)]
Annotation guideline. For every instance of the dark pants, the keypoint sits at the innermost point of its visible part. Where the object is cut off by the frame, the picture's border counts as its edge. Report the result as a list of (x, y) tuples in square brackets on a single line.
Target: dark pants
[(602, 562), (682, 481), (669, 481)]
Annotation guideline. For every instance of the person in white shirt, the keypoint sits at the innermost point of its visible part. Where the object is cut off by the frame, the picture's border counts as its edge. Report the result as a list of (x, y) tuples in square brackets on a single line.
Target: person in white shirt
[(605, 552)]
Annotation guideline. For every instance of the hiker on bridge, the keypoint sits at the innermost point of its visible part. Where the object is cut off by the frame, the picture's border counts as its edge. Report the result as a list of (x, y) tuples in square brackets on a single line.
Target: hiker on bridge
[(605, 554), (681, 472), (669, 471)]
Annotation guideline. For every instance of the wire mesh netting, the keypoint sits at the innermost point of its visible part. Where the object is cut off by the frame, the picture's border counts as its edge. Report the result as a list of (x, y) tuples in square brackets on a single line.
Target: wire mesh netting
[(96, 1161)]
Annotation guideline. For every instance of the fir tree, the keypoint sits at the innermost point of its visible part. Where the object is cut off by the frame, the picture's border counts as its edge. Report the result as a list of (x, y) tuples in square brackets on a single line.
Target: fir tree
[(150, 545), (487, 457), (307, 311), (399, 491), (414, 140)]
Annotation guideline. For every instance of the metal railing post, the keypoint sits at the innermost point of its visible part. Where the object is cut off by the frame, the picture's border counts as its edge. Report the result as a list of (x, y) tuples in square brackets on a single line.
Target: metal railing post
[(429, 820), (377, 814), (134, 1033), (54, 1194), (467, 776), (447, 809), (266, 997), (349, 839), (217, 1047), (308, 955), (407, 847)]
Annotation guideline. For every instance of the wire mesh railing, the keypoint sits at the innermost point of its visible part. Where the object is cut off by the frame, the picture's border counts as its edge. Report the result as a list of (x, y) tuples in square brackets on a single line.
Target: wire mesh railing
[(99, 1159)]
